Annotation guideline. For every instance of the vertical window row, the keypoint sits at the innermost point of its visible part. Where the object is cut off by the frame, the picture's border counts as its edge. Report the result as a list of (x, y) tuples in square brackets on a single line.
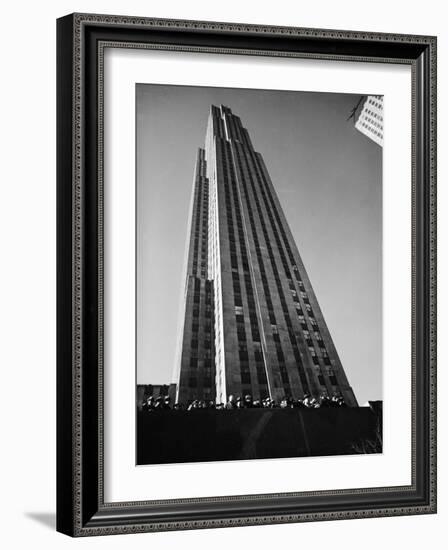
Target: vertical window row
[(200, 230), (238, 273)]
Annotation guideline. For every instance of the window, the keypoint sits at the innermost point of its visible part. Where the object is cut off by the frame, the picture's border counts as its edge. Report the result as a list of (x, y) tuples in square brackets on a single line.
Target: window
[(261, 376), (193, 362), (238, 310), (284, 375), (241, 334), (193, 382)]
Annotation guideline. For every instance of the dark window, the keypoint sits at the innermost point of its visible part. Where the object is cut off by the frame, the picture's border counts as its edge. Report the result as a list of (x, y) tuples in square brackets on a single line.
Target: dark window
[(284, 375), (261, 376), (241, 334), (193, 362), (192, 382), (194, 343)]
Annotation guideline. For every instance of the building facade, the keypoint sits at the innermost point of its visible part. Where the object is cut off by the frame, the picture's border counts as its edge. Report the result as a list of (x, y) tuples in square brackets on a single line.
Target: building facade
[(370, 119), (252, 323)]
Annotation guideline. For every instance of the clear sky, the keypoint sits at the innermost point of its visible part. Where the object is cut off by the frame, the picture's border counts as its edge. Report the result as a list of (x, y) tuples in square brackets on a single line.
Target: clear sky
[(328, 177)]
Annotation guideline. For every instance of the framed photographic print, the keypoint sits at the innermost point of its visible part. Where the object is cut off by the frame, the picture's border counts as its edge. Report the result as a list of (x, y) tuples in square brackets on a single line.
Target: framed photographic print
[(246, 274)]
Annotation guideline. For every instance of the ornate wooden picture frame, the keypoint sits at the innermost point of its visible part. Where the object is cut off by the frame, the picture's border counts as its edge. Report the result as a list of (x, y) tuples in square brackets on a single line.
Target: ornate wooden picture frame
[(81, 506)]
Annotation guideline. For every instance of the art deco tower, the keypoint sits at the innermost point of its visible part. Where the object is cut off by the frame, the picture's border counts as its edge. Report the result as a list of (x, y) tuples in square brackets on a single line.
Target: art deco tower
[(252, 321)]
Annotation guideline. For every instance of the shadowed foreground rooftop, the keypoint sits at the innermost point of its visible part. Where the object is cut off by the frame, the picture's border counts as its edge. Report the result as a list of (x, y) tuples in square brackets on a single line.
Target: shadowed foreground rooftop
[(209, 435)]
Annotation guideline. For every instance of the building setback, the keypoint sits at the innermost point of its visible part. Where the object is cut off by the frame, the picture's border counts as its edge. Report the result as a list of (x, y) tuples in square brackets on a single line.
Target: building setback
[(252, 322)]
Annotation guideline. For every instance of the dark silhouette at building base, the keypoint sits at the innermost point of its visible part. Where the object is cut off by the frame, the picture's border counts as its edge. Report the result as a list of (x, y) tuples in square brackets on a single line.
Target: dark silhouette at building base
[(204, 435)]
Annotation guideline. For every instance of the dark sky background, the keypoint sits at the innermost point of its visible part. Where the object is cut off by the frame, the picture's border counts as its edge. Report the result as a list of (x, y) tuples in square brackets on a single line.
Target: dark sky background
[(328, 178)]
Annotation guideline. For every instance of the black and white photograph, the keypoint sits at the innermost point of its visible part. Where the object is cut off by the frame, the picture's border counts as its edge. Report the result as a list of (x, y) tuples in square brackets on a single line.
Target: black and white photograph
[(258, 274), (222, 241)]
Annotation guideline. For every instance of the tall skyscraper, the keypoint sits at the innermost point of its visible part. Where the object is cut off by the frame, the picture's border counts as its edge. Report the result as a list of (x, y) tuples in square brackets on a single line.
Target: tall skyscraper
[(252, 322), (370, 119)]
